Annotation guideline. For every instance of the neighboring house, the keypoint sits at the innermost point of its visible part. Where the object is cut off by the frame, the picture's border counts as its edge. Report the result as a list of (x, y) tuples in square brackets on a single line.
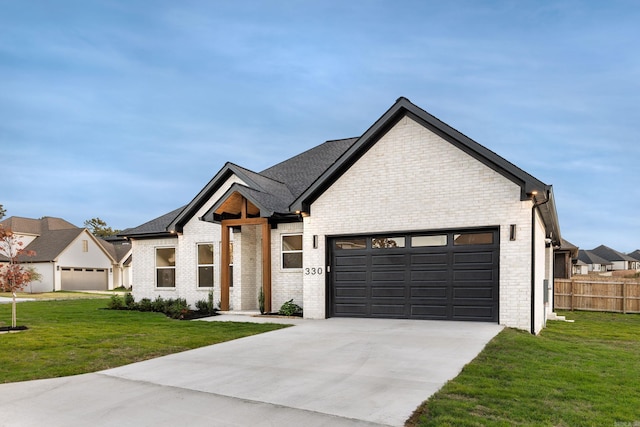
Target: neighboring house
[(410, 220), (564, 258), (594, 262), (618, 260), (580, 267), (67, 257), (636, 255)]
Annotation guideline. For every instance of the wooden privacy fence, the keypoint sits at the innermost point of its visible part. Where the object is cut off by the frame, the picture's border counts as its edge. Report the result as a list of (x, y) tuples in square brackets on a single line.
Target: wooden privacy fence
[(614, 296)]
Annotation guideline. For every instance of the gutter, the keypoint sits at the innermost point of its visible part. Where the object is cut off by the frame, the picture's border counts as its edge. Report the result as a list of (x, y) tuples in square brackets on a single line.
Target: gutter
[(535, 206)]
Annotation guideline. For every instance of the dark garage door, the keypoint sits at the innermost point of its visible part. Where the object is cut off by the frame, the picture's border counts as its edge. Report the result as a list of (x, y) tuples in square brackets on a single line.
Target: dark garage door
[(442, 275)]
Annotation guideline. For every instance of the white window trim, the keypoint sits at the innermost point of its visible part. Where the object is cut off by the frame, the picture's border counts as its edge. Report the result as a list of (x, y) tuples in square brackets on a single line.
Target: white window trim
[(282, 252), (155, 270), (198, 265)]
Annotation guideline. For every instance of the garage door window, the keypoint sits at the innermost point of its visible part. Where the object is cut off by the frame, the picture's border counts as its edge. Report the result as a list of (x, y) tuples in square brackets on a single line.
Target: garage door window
[(473, 239), (425, 241), (351, 243), (166, 267), (205, 265), (292, 251), (382, 242)]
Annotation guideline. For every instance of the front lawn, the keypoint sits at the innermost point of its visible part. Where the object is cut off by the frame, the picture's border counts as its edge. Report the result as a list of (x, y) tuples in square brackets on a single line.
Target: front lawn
[(585, 373), (79, 336)]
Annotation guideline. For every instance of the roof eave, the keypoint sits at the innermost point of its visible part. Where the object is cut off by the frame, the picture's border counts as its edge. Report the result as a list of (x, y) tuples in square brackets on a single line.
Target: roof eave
[(528, 184), (209, 215), (203, 196)]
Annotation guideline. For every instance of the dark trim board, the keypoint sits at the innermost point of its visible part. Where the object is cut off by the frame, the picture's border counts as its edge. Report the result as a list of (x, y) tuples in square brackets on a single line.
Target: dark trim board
[(435, 274)]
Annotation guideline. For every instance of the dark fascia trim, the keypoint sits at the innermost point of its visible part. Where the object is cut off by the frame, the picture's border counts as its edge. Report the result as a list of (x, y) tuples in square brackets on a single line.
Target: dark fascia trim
[(390, 118), (156, 235), (245, 192), (203, 196)]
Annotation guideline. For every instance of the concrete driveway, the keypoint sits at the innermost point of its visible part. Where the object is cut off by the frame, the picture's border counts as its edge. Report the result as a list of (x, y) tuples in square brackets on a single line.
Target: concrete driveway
[(334, 372)]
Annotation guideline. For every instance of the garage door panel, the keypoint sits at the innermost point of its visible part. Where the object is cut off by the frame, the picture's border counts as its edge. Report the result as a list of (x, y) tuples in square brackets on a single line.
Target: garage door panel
[(388, 310), (84, 279), (347, 309), (388, 292), (433, 259), (429, 292), (352, 260), (388, 276), (472, 312), (473, 275), (473, 258), (351, 276), (388, 260), (351, 292), (485, 293), (432, 312), (428, 276), (456, 278)]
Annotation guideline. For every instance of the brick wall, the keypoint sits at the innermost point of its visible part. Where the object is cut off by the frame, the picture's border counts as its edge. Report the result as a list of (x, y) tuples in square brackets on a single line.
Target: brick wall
[(194, 232), (414, 180)]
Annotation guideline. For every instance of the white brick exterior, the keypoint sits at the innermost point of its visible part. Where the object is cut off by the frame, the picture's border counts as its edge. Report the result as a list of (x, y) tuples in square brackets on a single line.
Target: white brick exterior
[(412, 179), (194, 232)]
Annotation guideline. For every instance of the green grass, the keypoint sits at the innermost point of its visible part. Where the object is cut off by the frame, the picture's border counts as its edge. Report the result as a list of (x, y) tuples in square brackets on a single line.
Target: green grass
[(57, 295), (78, 336), (585, 373)]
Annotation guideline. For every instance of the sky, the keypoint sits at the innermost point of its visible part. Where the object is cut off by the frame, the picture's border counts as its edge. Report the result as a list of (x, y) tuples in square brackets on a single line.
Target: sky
[(124, 110)]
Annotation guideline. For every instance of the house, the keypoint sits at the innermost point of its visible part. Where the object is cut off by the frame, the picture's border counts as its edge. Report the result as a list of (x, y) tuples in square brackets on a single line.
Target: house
[(618, 260), (564, 258), (593, 262), (580, 267), (67, 257), (412, 219), (636, 255)]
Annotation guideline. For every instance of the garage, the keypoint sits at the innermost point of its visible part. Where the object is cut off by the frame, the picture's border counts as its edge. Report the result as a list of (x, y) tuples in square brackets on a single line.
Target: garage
[(84, 279), (451, 275)]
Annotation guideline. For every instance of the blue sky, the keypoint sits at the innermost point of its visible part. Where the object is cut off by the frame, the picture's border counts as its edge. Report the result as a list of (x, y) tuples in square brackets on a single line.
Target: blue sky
[(124, 110)]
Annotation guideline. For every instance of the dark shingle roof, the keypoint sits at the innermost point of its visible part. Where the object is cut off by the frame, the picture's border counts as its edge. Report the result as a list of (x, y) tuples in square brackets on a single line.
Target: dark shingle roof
[(611, 254), (156, 226), (635, 254), (589, 257), (299, 172), (293, 184)]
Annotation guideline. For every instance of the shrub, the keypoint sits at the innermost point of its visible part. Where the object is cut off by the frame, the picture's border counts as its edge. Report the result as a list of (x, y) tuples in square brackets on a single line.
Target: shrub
[(129, 301), (176, 308), (289, 308), (145, 304), (206, 306), (261, 300), (158, 304), (116, 303)]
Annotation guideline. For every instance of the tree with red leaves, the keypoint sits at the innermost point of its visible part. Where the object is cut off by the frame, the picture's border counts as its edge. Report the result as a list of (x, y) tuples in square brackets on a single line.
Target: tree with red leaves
[(13, 275)]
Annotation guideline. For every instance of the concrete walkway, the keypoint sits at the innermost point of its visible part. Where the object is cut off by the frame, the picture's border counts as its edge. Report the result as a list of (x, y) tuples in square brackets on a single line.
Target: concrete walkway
[(334, 372)]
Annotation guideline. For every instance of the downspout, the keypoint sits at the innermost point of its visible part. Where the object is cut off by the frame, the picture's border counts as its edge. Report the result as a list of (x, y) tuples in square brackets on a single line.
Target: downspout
[(533, 258)]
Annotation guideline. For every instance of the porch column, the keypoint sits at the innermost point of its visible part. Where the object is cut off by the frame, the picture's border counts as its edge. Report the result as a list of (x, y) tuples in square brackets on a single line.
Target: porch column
[(224, 268)]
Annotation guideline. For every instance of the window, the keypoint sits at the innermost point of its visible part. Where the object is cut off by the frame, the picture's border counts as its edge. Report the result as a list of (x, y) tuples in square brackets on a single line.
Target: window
[(292, 251), (205, 265), (473, 239), (166, 267), (435, 240), (387, 242), (85, 246), (351, 243)]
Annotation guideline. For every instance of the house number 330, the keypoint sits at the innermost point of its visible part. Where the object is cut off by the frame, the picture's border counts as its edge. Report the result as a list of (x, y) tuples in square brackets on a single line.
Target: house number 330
[(312, 271)]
